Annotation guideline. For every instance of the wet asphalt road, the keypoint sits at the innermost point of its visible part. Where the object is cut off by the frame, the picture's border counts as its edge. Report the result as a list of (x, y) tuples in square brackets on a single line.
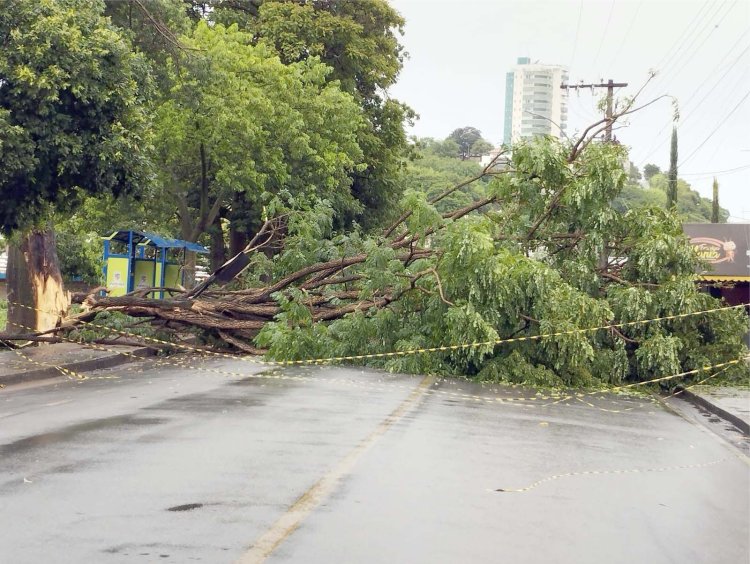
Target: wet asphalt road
[(343, 465)]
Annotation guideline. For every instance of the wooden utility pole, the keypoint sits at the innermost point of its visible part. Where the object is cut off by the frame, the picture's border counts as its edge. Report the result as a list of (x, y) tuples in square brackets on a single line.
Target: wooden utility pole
[(610, 85)]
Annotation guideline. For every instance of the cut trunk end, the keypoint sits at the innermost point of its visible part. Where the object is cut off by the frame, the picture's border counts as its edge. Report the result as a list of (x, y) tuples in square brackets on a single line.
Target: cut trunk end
[(36, 297)]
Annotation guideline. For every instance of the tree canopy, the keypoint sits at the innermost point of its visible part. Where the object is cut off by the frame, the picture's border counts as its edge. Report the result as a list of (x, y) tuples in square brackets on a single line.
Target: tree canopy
[(542, 252), (238, 122), (649, 170), (470, 142), (360, 42), (689, 205), (73, 109)]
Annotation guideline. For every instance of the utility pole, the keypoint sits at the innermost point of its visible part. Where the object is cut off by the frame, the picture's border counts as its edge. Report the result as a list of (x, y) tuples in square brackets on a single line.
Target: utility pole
[(610, 85)]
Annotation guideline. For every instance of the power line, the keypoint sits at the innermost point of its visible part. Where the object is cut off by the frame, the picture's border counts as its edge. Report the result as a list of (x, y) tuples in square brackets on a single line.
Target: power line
[(730, 67), (681, 39), (661, 140), (604, 35), (716, 84), (717, 128), (688, 59), (676, 50), (716, 172), (627, 33), (575, 40), (683, 50)]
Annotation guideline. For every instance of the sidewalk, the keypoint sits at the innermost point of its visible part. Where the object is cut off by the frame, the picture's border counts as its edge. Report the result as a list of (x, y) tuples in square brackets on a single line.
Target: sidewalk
[(38, 363), (731, 404)]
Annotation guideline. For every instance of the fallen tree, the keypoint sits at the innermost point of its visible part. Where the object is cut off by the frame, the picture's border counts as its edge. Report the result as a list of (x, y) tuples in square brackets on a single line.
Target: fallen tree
[(541, 251)]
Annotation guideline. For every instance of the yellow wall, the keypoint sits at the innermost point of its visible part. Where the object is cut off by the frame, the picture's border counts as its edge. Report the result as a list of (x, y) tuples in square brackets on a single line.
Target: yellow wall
[(144, 275), (172, 277), (117, 276)]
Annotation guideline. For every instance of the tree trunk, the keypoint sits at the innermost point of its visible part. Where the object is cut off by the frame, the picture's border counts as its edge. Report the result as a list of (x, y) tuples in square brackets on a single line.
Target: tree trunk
[(36, 297), (218, 250), (237, 240), (715, 203)]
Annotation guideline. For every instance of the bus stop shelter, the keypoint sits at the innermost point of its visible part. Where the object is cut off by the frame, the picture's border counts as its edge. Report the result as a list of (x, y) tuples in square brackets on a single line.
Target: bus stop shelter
[(138, 259)]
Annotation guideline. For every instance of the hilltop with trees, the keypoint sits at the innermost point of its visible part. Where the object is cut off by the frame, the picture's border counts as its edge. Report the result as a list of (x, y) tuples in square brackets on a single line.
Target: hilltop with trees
[(652, 189)]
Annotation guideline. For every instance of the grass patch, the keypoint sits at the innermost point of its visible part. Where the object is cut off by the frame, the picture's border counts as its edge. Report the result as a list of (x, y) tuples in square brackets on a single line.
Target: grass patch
[(3, 314)]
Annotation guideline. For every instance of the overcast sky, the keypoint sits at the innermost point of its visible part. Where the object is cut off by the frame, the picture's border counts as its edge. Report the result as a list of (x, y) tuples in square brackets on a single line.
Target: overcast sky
[(460, 50)]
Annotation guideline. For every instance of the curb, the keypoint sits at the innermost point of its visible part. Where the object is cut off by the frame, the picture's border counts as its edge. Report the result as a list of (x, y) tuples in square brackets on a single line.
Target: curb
[(715, 409), (81, 366)]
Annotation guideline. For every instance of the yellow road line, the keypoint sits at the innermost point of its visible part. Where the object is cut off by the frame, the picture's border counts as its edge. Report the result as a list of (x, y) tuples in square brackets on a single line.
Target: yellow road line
[(267, 543)]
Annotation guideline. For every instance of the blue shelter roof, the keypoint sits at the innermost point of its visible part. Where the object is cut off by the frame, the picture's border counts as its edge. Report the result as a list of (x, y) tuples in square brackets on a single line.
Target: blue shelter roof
[(154, 240)]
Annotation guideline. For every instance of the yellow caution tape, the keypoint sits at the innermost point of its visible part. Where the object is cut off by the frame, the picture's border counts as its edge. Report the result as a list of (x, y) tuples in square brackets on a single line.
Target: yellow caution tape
[(519, 401), (608, 472), (64, 371), (443, 348)]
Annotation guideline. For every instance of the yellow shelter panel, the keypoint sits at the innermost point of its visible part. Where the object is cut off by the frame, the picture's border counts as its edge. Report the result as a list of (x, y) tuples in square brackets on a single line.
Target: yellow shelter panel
[(172, 278), (117, 276), (144, 274)]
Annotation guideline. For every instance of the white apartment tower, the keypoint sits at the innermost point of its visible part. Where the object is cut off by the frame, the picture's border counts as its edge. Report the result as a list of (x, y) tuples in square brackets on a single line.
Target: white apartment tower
[(534, 102)]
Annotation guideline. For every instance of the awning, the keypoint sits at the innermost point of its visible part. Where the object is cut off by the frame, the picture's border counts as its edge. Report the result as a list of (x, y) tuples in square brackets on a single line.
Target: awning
[(723, 278), (154, 240)]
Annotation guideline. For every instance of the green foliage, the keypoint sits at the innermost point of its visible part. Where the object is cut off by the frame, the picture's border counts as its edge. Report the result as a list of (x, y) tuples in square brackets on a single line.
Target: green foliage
[(239, 122), (117, 322), (80, 256), (3, 314), (72, 109), (649, 170), (436, 167), (424, 217), (505, 274), (469, 141), (152, 29), (690, 205), (634, 175), (359, 41), (516, 369)]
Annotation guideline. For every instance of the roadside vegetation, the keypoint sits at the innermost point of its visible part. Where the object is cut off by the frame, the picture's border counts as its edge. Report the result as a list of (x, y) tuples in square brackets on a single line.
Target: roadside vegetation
[(263, 128)]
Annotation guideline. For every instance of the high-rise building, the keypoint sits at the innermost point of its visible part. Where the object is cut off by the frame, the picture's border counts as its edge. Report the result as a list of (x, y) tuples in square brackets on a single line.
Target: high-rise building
[(534, 102)]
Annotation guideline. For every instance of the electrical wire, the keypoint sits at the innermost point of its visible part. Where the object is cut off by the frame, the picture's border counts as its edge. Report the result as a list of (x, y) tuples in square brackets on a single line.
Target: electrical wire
[(627, 34), (716, 128), (716, 172), (604, 35), (685, 52), (660, 142), (575, 40), (675, 48), (734, 64), (689, 58)]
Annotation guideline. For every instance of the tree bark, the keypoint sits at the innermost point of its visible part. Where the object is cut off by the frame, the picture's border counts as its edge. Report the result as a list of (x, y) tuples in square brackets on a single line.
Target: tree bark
[(237, 240), (37, 300), (218, 250)]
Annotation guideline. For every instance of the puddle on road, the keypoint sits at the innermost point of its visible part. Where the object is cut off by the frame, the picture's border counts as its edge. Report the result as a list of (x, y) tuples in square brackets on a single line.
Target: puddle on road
[(74, 432), (185, 507)]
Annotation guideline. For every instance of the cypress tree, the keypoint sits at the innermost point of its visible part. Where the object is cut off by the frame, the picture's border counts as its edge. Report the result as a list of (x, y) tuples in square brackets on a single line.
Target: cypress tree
[(672, 177), (715, 204)]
